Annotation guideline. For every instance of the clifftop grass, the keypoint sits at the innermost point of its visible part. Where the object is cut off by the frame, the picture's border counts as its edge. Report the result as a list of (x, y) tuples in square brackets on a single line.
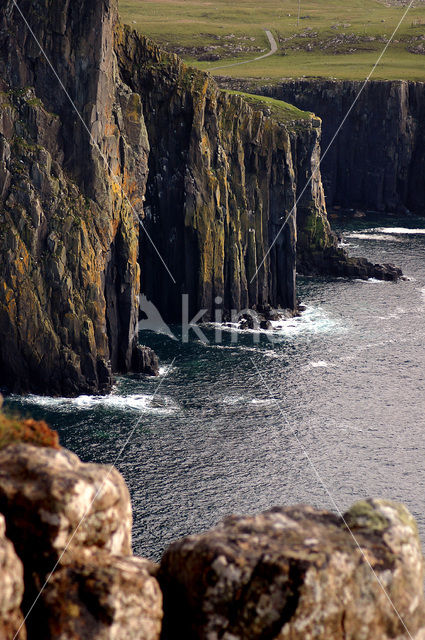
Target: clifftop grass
[(277, 109), (332, 39)]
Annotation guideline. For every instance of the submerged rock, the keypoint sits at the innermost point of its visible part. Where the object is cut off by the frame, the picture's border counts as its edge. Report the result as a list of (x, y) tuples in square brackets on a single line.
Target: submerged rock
[(298, 573)]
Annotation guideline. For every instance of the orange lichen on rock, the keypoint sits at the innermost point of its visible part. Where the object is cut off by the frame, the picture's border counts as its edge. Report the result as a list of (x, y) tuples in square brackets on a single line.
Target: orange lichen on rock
[(14, 429)]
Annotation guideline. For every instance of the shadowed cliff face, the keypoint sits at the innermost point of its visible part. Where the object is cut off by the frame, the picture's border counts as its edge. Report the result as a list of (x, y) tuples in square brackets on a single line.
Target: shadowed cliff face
[(378, 159), (221, 181)]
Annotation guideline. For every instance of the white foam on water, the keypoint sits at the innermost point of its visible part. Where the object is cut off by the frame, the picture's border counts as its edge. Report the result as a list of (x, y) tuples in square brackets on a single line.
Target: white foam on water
[(371, 236), (237, 400), (312, 321), (133, 402), (262, 402), (319, 363), (399, 231)]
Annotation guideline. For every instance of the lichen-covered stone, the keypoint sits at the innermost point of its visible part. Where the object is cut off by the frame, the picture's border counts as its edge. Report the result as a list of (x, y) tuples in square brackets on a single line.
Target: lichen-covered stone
[(317, 250), (46, 493), (70, 523), (11, 590), (102, 597), (221, 182), (297, 573)]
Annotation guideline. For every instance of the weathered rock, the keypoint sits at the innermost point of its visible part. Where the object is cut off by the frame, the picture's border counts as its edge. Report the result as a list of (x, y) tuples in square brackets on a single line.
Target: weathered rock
[(71, 526), (317, 251), (11, 589), (102, 597), (44, 495), (221, 180), (144, 360), (68, 238), (223, 177), (298, 573)]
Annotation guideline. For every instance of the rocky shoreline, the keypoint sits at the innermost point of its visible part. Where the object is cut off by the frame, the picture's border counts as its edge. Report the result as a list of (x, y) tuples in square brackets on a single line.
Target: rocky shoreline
[(291, 572)]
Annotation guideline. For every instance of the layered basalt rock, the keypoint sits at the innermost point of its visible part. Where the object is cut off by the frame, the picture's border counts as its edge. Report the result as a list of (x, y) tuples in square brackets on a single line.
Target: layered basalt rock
[(71, 193), (377, 161), (221, 181)]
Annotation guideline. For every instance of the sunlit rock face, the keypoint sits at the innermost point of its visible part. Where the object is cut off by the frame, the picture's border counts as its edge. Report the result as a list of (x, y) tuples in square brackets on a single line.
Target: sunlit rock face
[(71, 192), (70, 524), (122, 134), (11, 589), (298, 573)]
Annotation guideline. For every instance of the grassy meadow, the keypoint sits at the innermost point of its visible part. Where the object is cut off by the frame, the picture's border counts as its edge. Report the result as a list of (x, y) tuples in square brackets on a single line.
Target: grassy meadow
[(332, 38)]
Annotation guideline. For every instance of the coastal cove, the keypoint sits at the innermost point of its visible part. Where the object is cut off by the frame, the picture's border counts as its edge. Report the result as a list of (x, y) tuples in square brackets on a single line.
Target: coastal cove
[(348, 377)]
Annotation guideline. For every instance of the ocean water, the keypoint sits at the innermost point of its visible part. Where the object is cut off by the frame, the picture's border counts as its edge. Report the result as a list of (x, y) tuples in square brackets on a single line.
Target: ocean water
[(332, 413)]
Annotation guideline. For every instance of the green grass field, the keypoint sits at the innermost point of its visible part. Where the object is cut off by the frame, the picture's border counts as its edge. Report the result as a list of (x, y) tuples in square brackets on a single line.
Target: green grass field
[(333, 38)]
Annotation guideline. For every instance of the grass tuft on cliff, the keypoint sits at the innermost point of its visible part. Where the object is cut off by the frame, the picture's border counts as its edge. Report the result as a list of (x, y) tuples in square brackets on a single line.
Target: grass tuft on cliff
[(14, 429), (276, 109)]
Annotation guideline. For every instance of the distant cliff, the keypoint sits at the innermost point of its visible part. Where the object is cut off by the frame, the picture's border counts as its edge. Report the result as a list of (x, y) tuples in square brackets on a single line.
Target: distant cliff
[(377, 162), (219, 172)]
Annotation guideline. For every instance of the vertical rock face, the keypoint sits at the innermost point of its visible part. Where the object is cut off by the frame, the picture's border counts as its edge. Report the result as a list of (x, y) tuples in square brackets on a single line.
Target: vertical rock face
[(298, 573), (314, 235), (220, 174), (378, 160), (221, 180), (71, 193)]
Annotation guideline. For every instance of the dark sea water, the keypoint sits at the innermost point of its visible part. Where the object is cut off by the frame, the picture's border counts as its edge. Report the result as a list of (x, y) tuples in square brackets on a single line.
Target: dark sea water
[(231, 426)]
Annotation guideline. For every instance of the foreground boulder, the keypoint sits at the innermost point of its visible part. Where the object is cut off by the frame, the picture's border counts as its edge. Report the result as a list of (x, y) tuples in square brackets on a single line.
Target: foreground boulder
[(45, 493), (11, 589), (103, 597), (297, 573), (73, 519)]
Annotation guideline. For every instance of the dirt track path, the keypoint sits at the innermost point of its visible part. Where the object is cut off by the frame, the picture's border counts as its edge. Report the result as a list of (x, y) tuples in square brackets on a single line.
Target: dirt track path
[(273, 49)]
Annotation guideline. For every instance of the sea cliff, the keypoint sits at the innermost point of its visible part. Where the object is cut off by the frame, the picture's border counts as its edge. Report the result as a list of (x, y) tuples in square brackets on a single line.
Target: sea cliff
[(123, 170), (377, 161)]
